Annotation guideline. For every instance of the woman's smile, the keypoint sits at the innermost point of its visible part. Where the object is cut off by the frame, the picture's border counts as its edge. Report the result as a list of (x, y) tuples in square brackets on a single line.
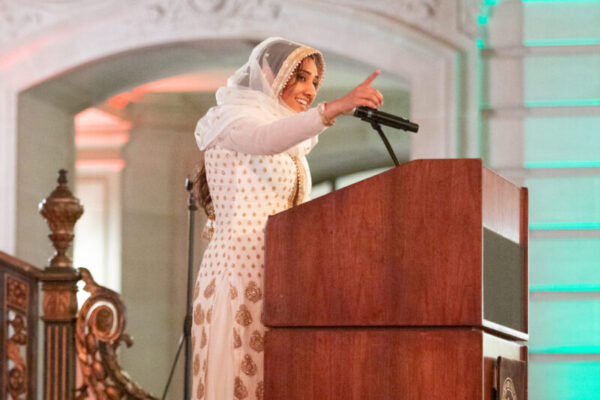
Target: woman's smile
[(303, 101)]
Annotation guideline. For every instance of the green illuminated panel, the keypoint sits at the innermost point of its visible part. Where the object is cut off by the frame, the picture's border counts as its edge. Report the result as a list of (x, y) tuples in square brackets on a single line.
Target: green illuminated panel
[(571, 79), (566, 350), (562, 142), (547, 1), (564, 380), (563, 103), (557, 263), (563, 164), (571, 323), (562, 42), (564, 202), (564, 225), (562, 288), (555, 20)]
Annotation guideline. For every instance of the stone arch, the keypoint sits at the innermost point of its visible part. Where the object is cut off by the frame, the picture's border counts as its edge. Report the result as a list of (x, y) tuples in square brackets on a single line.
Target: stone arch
[(426, 63)]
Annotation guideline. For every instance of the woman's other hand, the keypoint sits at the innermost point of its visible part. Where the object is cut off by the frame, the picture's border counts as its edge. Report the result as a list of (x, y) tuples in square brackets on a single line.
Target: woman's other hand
[(362, 95)]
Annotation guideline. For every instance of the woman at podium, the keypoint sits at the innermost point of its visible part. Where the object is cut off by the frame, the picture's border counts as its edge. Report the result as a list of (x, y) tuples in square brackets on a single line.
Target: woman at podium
[(255, 143)]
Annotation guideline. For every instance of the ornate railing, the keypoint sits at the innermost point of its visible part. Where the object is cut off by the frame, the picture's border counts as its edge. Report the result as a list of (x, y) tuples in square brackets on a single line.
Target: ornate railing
[(18, 335), (87, 339), (99, 332)]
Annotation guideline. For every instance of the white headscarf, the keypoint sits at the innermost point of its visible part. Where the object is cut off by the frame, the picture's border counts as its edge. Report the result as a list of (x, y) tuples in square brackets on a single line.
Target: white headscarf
[(254, 90)]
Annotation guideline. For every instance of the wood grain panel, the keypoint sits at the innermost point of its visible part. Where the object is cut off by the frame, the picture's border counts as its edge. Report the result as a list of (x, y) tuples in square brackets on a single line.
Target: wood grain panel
[(401, 248), (332, 364), (501, 206)]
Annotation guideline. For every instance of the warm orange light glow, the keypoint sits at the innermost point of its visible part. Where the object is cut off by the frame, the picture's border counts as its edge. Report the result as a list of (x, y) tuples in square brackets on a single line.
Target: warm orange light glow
[(114, 165), (14, 57), (121, 100), (96, 128), (96, 119), (101, 139), (207, 81)]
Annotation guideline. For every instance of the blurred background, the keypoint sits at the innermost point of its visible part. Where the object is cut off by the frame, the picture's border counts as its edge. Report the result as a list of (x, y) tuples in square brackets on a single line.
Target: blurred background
[(112, 92)]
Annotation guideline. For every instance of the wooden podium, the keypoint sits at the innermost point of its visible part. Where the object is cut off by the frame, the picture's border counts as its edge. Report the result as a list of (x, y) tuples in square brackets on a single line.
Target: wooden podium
[(408, 285)]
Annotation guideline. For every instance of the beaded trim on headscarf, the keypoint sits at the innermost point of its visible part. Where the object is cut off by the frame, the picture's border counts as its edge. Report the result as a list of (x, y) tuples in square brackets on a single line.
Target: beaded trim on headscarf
[(289, 67)]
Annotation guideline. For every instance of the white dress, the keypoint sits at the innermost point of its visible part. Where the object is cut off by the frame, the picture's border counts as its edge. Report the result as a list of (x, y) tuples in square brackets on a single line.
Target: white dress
[(227, 333)]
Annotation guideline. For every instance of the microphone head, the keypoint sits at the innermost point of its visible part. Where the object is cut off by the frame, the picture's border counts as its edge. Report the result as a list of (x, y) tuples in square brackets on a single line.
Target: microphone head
[(363, 112), (372, 115)]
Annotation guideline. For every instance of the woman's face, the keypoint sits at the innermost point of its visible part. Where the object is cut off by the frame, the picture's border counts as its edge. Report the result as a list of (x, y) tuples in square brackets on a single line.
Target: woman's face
[(301, 90)]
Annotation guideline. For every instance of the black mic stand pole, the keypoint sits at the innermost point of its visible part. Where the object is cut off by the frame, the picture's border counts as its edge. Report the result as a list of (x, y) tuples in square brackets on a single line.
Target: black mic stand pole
[(187, 326), (377, 127), (186, 338)]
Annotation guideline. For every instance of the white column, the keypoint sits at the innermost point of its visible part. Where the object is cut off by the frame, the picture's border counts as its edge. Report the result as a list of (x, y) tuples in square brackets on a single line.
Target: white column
[(45, 145), (503, 78), (8, 169)]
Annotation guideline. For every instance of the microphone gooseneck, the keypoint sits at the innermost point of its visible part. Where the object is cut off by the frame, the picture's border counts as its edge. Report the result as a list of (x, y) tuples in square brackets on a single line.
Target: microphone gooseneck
[(372, 115)]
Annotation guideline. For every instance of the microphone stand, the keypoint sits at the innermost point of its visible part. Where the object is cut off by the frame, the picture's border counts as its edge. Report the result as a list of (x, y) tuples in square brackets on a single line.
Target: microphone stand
[(377, 127), (186, 337)]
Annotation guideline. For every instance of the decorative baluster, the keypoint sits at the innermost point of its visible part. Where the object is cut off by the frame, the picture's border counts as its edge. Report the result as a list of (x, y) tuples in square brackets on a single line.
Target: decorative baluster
[(18, 331), (59, 304)]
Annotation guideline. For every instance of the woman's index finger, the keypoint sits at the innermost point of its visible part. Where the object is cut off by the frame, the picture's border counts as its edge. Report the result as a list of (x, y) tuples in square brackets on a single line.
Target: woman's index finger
[(371, 77)]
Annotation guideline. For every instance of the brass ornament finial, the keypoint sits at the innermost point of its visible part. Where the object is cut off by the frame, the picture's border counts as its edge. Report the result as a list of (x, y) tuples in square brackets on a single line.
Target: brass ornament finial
[(61, 210)]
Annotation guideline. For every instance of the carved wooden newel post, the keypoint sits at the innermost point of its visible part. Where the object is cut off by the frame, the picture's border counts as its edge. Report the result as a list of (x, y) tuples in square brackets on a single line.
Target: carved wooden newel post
[(59, 304)]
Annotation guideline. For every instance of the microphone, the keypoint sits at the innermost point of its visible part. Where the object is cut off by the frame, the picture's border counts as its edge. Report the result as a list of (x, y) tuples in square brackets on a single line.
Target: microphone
[(372, 115)]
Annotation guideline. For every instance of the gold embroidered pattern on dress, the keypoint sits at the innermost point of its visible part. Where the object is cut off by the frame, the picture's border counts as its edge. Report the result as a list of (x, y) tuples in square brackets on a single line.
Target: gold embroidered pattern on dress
[(196, 365), (243, 316), (253, 292), (210, 289), (257, 341), (198, 315), (297, 194), (200, 391), (240, 391), (234, 253), (260, 390), (237, 340), (203, 339), (248, 366)]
